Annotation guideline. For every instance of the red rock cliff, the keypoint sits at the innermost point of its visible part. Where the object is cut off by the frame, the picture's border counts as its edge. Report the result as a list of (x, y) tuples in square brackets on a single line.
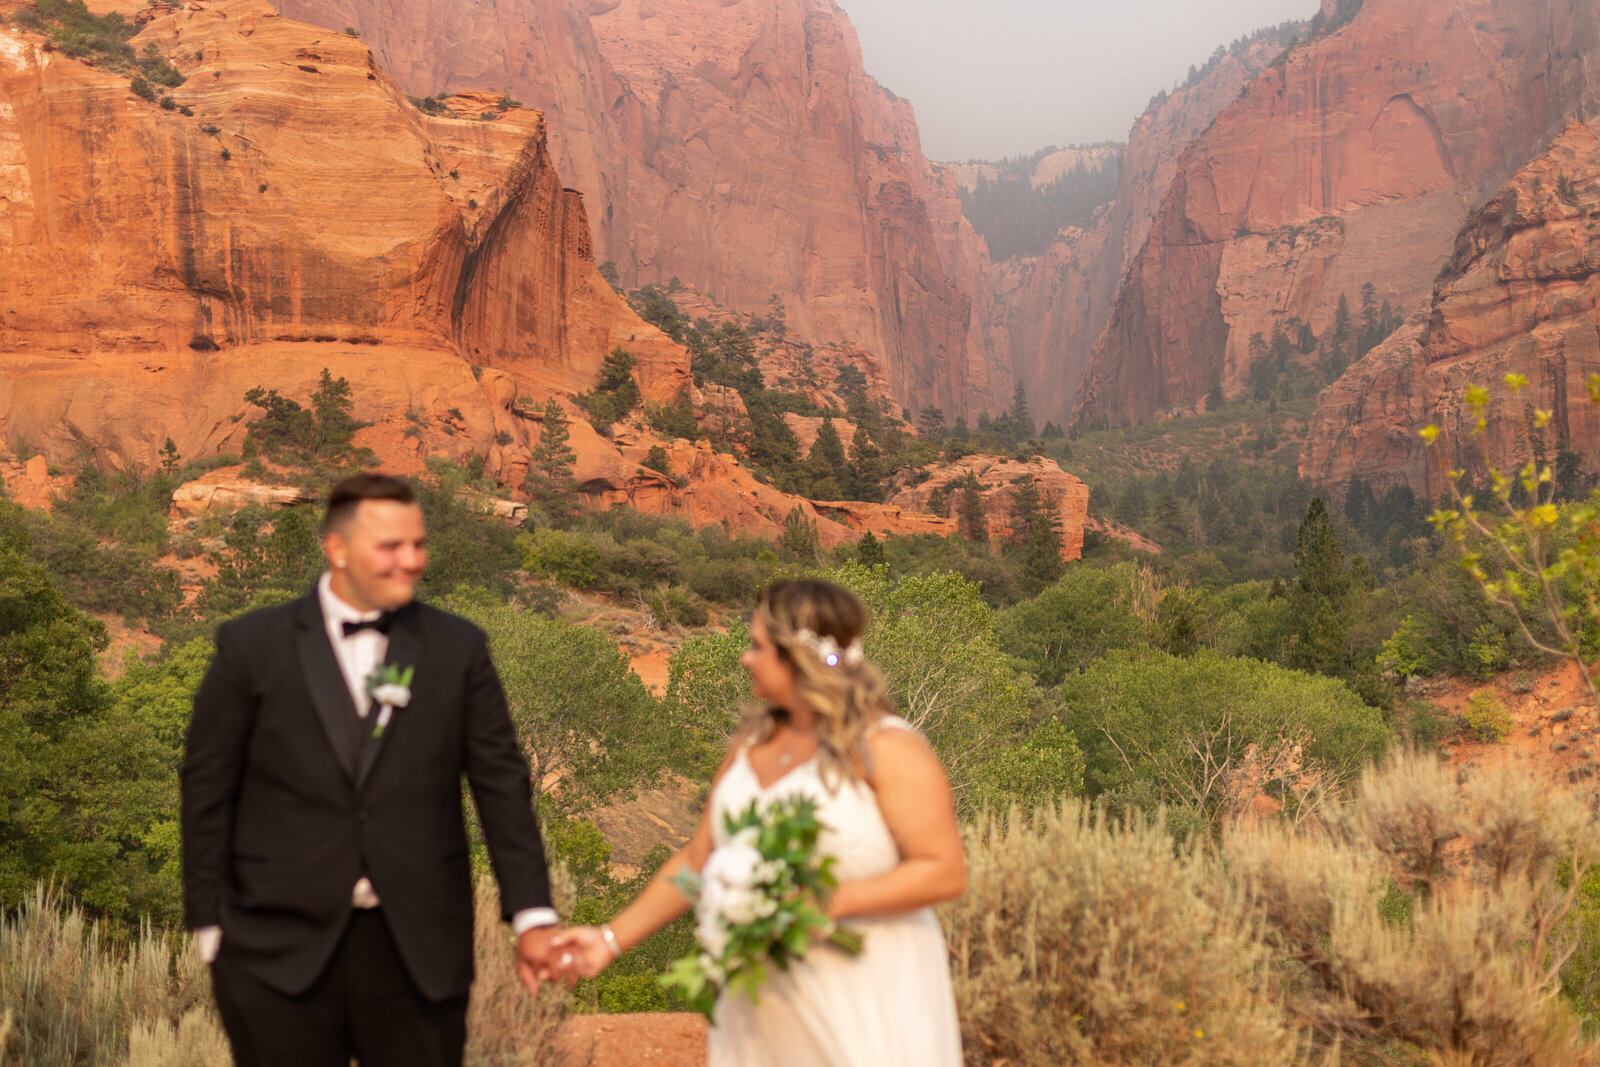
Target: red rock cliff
[(1521, 293), (1352, 161), (305, 216), (1050, 309), (740, 148)]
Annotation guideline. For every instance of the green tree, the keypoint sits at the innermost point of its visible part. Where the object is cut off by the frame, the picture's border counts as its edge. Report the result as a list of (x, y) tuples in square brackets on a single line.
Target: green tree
[(974, 525), (826, 467), (616, 393), (1320, 639), (869, 550), (85, 779), (934, 639), (706, 688), (1035, 539), (1089, 612), (930, 423), (331, 408), (1021, 419), (550, 484), (585, 720), (864, 475), (170, 460), (799, 542), (1205, 733)]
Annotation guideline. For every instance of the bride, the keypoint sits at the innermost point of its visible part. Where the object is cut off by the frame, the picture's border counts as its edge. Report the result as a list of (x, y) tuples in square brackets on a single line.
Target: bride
[(827, 731)]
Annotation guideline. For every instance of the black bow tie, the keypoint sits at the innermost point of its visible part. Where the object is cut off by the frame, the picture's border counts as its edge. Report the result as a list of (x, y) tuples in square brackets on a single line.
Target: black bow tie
[(380, 624)]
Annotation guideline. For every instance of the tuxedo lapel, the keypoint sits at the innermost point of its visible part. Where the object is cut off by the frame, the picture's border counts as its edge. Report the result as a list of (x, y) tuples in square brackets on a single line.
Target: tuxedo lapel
[(405, 645), (329, 693)]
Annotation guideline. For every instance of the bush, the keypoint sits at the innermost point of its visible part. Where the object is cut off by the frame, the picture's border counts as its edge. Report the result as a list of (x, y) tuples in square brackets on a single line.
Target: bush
[(1486, 717), (1049, 969)]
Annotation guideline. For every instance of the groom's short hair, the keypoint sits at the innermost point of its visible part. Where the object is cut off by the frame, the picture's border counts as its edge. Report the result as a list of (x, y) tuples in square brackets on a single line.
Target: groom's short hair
[(347, 495)]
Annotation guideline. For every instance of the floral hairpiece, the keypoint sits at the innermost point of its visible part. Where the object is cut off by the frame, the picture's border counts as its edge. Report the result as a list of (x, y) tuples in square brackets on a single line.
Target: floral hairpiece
[(828, 651)]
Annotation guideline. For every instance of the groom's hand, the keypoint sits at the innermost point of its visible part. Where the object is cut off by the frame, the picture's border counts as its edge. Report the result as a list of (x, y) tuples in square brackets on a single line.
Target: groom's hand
[(534, 962)]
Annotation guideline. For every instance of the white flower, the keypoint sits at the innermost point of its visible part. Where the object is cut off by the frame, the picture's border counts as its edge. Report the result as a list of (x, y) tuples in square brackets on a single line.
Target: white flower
[(391, 695), (746, 837), (769, 872), (741, 906), (712, 934), (733, 865), (766, 907)]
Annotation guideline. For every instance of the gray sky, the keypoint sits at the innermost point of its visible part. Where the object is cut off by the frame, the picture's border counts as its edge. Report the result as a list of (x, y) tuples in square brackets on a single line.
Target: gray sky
[(993, 78)]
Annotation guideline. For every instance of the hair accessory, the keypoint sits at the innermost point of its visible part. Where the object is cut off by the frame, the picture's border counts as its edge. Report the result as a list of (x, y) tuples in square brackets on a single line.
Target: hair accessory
[(828, 650)]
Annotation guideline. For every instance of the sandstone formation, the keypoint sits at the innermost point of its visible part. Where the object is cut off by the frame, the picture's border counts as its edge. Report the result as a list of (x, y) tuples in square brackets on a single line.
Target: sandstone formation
[(997, 478), (1352, 160), (305, 216), (741, 148), (1050, 309), (1521, 293)]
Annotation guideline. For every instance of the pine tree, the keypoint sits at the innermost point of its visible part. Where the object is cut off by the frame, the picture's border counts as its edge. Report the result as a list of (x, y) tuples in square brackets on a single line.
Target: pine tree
[(827, 470), (974, 526), (550, 483), (865, 473), (930, 423), (1035, 538), (1021, 419), (869, 550), (170, 460), (1320, 613), (799, 542), (331, 406)]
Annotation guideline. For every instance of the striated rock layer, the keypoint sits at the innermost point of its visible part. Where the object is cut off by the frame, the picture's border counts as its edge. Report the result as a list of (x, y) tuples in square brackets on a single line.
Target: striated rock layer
[(1353, 160), (159, 265), (1521, 293), (741, 148)]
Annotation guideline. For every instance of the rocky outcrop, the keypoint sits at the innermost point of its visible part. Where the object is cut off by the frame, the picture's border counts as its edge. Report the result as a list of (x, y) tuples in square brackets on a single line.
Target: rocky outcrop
[(740, 148), (997, 478), (304, 216), (1352, 160), (1520, 294)]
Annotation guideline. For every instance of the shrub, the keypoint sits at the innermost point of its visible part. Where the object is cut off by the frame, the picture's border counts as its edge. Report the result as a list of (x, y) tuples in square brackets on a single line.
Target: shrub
[(1049, 969), (657, 460), (1487, 718)]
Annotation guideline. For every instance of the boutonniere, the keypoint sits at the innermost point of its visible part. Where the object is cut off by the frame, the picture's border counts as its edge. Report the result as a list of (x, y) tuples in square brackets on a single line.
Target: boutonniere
[(390, 688)]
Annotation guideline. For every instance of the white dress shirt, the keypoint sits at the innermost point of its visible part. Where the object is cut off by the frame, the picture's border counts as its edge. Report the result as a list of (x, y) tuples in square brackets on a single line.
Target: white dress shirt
[(359, 655)]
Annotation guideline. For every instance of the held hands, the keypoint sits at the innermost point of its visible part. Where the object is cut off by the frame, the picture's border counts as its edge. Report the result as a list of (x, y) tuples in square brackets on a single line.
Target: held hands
[(585, 951), (550, 954)]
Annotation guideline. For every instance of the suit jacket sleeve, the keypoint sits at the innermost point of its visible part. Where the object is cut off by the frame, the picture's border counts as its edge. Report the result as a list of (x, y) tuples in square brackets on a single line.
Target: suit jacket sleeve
[(213, 762), (498, 775)]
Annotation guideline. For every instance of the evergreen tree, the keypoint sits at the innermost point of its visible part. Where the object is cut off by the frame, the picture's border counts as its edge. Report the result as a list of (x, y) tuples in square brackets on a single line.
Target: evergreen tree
[(550, 483), (170, 460), (1320, 616), (959, 430), (827, 470), (869, 550), (931, 425), (799, 542), (1021, 419), (974, 526), (938, 503), (1035, 537), (865, 473), (331, 405)]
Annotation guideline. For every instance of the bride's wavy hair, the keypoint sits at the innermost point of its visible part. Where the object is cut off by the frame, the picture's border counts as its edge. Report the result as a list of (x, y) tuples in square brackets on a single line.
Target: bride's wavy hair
[(818, 628)]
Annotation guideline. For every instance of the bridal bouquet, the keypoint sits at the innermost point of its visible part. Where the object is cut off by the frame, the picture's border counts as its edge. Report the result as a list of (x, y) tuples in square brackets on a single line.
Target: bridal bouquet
[(757, 903)]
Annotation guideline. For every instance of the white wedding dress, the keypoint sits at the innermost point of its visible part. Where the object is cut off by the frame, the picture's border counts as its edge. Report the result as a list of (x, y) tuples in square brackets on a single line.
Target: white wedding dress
[(891, 1005)]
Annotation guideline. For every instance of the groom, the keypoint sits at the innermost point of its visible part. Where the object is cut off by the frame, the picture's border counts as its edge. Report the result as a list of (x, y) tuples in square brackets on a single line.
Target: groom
[(326, 865)]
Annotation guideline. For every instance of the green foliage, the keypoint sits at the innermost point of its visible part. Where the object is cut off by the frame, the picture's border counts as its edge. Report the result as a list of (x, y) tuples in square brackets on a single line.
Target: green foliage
[(579, 709), (657, 460), (706, 688), (290, 433), (934, 639), (616, 393), (88, 776), (550, 484), (675, 420), (467, 546), (1486, 717), (1080, 618), (1161, 729), (798, 542)]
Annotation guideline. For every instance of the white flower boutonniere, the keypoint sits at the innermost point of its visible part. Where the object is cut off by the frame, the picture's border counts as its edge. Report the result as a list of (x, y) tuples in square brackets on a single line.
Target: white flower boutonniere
[(390, 688)]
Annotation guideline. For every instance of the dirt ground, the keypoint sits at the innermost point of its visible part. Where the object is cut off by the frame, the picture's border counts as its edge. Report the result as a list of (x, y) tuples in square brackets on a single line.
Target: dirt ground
[(648, 1040)]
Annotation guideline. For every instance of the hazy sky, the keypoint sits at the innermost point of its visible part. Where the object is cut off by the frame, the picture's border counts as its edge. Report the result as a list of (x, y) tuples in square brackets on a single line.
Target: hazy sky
[(992, 78)]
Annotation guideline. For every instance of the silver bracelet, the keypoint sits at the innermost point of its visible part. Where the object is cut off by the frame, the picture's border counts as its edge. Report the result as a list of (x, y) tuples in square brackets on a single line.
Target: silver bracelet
[(611, 940)]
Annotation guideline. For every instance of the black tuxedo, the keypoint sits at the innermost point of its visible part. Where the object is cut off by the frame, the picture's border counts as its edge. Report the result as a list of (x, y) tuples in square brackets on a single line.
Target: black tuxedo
[(288, 799)]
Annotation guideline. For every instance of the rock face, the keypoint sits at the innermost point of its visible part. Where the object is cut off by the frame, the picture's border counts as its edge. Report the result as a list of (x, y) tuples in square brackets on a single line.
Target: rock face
[(305, 216), (1050, 309), (1353, 160), (741, 148), (1521, 293)]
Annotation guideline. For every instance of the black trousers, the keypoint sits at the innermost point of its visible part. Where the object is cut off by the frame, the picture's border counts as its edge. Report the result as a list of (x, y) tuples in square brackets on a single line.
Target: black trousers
[(364, 1006)]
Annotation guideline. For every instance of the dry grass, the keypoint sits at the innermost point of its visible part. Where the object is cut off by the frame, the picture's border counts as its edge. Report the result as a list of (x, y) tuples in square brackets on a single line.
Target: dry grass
[(68, 996), (1424, 923)]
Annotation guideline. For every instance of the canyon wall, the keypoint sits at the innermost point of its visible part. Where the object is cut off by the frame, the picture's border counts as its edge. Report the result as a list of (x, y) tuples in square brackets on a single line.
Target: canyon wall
[(303, 215), (1520, 294), (1354, 159), (741, 148)]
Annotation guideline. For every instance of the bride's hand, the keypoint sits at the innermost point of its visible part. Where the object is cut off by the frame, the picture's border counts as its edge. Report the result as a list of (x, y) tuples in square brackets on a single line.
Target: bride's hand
[(582, 950)]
